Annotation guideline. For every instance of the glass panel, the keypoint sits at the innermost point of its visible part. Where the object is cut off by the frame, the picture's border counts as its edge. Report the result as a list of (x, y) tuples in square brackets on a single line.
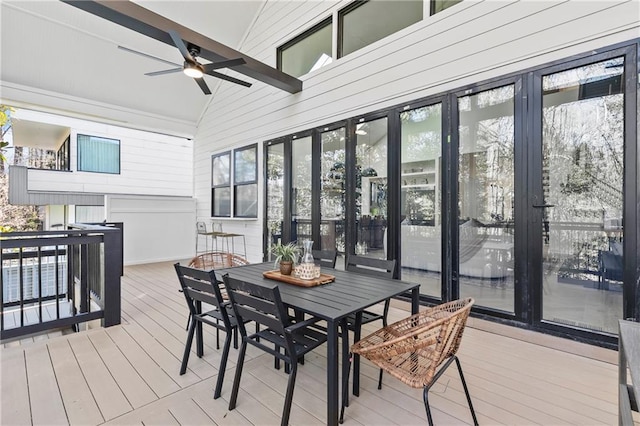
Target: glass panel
[(275, 193), (97, 154), (220, 170), (245, 165), (332, 196), (376, 19), (420, 197), (371, 188), (308, 54), (301, 189), (583, 143), (440, 5), (486, 197), (246, 200), (221, 201)]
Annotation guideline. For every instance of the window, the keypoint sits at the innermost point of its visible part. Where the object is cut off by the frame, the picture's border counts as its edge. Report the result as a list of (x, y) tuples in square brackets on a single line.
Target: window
[(100, 155), (364, 22), (62, 155), (440, 5), (245, 180), (307, 52), (244, 183), (221, 185)]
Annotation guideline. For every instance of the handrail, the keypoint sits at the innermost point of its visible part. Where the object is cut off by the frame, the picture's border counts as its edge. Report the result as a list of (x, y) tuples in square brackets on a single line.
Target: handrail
[(65, 276)]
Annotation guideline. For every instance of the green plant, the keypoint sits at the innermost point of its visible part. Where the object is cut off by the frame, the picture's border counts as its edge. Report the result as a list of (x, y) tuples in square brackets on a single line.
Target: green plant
[(285, 252)]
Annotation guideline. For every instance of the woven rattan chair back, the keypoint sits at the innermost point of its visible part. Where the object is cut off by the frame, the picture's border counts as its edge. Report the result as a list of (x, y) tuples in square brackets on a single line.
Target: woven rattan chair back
[(418, 349), (217, 260)]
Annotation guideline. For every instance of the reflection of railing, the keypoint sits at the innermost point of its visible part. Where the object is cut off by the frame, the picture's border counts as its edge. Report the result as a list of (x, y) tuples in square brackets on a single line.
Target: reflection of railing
[(58, 279)]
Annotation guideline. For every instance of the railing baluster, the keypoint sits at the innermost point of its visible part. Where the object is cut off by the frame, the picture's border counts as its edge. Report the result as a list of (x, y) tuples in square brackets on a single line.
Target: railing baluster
[(84, 278), (39, 284), (21, 282), (2, 293), (57, 281)]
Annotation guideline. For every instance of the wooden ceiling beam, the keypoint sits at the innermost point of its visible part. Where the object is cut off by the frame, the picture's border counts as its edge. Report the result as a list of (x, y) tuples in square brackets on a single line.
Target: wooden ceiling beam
[(151, 24)]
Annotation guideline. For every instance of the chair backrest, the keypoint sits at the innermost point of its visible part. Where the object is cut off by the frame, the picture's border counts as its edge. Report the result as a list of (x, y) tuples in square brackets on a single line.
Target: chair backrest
[(455, 313), (217, 259), (201, 286), (370, 266), (326, 258), (259, 303), (201, 227)]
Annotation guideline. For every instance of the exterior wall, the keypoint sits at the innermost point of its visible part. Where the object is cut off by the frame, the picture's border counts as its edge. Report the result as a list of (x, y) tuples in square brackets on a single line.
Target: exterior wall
[(467, 43), (156, 229), (150, 163)]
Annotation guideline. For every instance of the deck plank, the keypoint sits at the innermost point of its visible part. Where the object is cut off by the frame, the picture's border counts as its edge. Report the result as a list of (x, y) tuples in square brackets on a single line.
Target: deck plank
[(145, 365), (79, 403), (15, 407), (46, 403), (135, 389), (108, 394)]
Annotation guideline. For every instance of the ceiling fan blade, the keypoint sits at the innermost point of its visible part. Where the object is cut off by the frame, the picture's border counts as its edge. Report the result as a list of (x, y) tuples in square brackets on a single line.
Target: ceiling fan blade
[(223, 64), (203, 85), (229, 78), (181, 46), (135, 52), (171, 71)]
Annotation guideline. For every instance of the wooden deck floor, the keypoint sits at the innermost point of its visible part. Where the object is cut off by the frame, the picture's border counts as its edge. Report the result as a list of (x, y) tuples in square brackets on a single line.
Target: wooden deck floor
[(128, 374)]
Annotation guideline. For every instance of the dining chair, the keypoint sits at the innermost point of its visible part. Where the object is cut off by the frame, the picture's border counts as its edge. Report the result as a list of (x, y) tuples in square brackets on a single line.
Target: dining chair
[(380, 268), (200, 287), (326, 258), (417, 350), (263, 305)]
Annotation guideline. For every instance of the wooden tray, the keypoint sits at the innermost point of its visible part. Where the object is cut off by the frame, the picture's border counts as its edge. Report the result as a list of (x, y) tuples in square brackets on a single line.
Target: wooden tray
[(290, 279)]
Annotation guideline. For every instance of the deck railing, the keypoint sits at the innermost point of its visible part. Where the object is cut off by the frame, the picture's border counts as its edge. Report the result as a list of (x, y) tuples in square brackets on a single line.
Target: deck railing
[(55, 279)]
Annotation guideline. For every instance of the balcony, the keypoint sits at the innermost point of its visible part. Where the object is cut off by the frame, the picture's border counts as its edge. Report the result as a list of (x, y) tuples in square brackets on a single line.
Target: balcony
[(129, 374)]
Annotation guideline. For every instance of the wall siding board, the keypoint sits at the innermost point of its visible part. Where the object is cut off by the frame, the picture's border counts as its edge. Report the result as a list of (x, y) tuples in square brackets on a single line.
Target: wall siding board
[(467, 43)]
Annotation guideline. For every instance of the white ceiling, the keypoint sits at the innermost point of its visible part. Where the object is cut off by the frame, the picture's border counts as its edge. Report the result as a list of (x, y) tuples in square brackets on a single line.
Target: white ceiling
[(54, 56)]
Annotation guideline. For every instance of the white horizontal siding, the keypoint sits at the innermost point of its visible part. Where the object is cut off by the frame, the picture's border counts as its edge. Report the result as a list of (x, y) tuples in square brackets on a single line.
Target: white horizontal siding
[(467, 43), (155, 228), (150, 163)]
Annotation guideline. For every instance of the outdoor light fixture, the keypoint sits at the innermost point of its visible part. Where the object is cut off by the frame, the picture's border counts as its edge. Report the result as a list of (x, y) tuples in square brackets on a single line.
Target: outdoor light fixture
[(193, 70)]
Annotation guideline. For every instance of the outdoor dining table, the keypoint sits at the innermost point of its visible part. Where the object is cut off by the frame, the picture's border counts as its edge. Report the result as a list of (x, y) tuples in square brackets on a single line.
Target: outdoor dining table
[(350, 293)]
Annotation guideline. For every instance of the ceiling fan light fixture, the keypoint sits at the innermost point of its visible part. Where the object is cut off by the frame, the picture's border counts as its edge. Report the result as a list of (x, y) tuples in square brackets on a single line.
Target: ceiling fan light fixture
[(193, 71)]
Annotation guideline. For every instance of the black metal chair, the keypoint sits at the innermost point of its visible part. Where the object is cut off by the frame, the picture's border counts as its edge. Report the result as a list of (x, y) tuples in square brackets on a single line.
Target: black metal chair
[(325, 258), (380, 268), (200, 287), (263, 305)]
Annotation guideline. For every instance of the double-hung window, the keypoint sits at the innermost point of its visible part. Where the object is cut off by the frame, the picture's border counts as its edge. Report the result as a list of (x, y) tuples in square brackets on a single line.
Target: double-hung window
[(235, 184)]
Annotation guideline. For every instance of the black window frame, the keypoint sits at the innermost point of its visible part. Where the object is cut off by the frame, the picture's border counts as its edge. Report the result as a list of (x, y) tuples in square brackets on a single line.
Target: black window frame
[(226, 184), (297, 39), (245, 183)]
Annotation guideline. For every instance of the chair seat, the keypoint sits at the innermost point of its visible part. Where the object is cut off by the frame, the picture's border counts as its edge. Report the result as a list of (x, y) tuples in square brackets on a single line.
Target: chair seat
[(215, 313), (410, 368), (304, 340)]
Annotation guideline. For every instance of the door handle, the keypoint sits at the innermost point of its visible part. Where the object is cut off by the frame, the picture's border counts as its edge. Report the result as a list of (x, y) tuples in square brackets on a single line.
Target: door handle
[(542, 206)]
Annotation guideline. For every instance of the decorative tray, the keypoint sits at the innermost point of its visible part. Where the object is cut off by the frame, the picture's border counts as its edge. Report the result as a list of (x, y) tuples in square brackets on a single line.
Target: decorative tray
[(290, 279)]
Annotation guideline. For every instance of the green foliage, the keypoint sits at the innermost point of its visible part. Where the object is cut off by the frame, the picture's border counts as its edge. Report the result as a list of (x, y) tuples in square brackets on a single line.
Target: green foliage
[(5, 125), (285, 252)]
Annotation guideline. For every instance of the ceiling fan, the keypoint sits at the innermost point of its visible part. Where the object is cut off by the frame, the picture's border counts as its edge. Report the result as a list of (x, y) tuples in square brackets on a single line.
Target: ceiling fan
[(191, 66)]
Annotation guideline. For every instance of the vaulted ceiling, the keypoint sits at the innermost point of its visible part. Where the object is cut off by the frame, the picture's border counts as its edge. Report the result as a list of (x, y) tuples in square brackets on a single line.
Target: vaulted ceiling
[(55, 57)]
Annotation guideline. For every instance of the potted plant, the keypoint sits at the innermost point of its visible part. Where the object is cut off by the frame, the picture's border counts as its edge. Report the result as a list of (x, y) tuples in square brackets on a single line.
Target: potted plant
[(286, 255)]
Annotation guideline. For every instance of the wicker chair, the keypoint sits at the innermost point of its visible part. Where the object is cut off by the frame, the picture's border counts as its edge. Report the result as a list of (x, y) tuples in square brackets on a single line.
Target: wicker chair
[(417, 349), (216, 260)]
